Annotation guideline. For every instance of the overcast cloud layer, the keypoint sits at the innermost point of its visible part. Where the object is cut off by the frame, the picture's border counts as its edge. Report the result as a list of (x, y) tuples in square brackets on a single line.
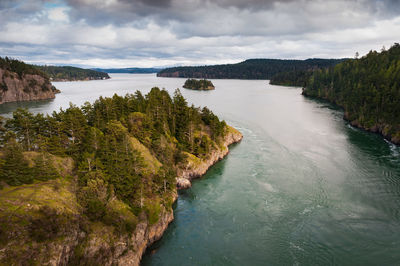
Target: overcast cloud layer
[(146, 33)]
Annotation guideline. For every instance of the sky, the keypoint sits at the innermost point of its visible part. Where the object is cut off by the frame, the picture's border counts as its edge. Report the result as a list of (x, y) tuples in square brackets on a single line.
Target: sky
[(157, 33)]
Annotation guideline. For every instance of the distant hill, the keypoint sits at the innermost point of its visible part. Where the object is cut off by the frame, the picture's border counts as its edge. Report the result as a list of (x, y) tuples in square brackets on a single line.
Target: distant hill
[(69, 73), (132, 70), (23, 82), (249, 69)]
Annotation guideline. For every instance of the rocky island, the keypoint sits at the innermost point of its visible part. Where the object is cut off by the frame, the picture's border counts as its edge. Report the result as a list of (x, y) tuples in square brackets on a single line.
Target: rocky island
[(201, 85), (95, 185), (23, 82)]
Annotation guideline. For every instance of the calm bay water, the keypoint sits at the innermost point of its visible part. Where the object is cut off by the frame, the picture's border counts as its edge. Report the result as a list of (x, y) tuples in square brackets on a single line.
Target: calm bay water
[(302, 188)]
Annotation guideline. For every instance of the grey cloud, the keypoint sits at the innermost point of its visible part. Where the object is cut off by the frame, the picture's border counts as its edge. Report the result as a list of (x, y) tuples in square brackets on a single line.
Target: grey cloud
[(156, 32)]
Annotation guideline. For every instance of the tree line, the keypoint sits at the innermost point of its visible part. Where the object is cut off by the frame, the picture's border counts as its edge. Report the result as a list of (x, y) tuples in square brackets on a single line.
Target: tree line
[(72, 73), (249, 69)]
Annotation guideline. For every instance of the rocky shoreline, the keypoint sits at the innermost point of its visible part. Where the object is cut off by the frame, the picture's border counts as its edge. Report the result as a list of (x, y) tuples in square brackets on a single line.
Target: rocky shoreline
[(145, 235), (381, 129), (196, 169), (192, 171)]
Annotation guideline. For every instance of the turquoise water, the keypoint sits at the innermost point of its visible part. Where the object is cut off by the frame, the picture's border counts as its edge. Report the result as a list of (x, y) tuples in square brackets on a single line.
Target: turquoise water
[(302, 188)]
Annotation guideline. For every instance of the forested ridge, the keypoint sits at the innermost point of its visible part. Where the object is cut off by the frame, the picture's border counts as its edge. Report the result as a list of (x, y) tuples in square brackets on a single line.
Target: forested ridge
[(249, 69), (367, 88), (62, 73), (126, 152)]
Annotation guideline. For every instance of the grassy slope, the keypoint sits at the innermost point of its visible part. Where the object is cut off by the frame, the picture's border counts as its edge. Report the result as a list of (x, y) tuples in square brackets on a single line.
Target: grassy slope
[(20, 206)]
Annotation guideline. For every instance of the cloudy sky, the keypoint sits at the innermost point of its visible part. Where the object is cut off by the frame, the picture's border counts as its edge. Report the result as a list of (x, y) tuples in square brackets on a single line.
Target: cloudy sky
[(146, 33)]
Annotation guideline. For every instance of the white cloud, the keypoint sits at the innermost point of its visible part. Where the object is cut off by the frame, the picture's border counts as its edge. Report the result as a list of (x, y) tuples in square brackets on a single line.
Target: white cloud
[(58, 14)]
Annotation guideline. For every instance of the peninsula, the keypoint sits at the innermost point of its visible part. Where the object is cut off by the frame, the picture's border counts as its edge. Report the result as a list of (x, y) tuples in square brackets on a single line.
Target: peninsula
[(95, 185)]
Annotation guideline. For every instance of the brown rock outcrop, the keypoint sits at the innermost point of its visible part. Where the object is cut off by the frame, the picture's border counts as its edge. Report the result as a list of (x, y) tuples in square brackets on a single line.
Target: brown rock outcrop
[(14, 88)]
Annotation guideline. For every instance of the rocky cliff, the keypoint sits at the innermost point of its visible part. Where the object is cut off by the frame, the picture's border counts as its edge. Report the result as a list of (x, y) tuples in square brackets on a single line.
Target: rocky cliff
[(26, 87)]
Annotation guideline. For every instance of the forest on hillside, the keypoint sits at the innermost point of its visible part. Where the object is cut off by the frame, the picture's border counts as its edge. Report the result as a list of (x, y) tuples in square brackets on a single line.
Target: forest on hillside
[(61, 73), (126, 152), (367, 88), (249, 69)]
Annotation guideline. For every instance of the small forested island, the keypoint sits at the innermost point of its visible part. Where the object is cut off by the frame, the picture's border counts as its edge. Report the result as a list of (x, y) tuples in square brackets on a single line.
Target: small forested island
[(368, 89), (202, 85), (23, 82), (69, 73), (94, 185)]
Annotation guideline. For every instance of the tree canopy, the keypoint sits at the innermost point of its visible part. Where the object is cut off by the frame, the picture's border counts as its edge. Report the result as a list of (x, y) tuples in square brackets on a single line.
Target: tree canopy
[(131, 146)]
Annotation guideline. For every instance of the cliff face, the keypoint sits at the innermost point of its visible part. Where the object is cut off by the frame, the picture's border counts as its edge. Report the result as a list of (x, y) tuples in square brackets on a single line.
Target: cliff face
[(103, 247), (29, 87)]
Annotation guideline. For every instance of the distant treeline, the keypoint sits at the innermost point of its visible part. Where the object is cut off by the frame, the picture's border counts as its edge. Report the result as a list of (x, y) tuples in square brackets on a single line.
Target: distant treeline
[(249, 69), (296, 78), (367, 88), (60, 73), (131, 70)]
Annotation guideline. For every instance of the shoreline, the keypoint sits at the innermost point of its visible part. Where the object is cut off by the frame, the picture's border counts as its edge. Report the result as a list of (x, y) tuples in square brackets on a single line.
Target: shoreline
[(157, 230), (376, 129)]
